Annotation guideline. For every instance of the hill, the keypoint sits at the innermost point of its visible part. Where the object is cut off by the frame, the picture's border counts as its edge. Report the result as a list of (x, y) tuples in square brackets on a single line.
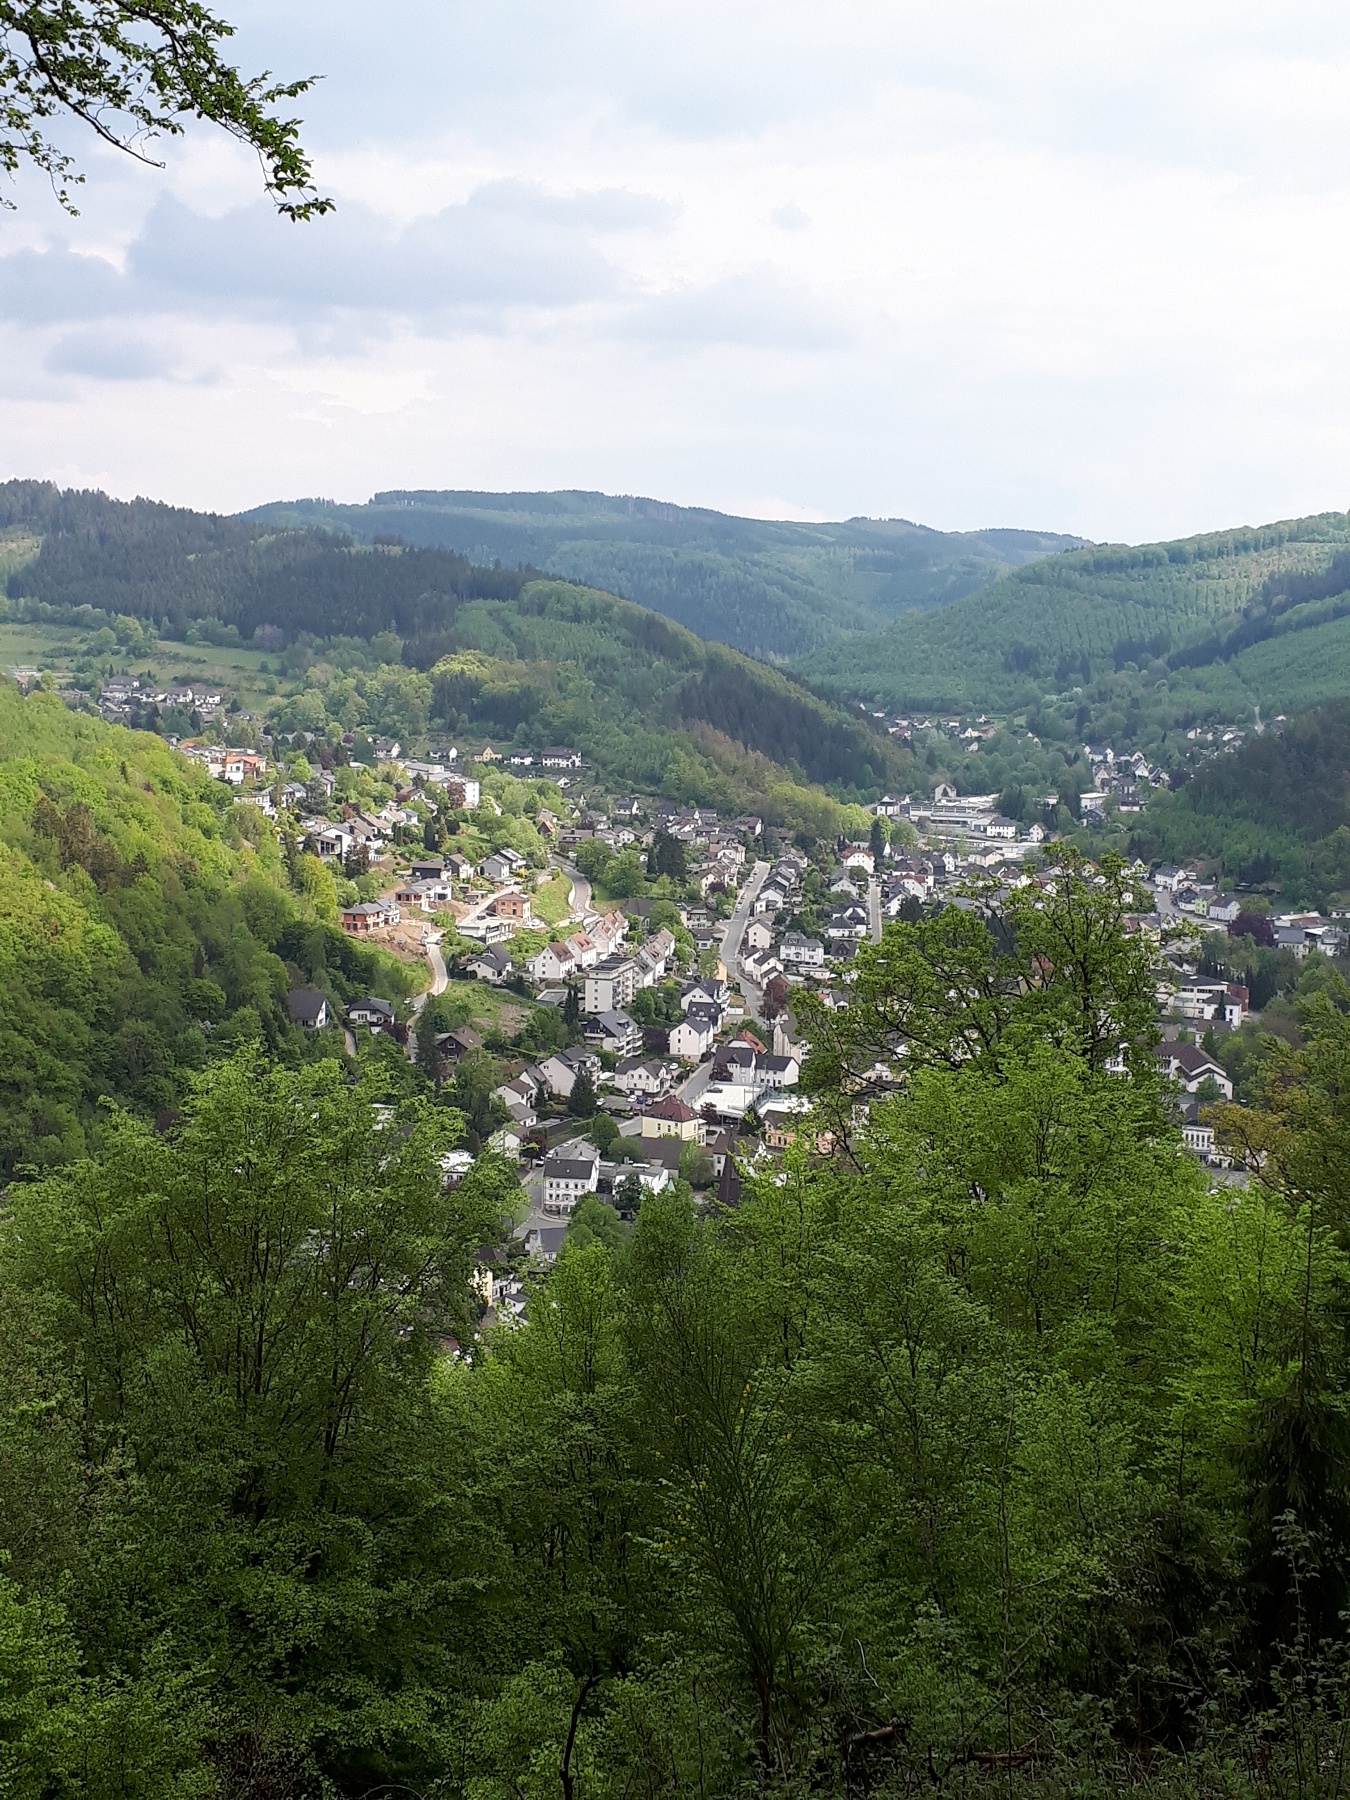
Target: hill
[(773, 588), (1220, 619), (1275, 811), (145, 920), (520, 657)]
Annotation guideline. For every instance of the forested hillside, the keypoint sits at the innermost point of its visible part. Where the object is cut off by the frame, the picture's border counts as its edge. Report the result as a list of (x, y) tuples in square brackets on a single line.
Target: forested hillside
[(531, 659), (1001, 1453), (773, 588), (144, 919), (1229, 620), (1277, 810)]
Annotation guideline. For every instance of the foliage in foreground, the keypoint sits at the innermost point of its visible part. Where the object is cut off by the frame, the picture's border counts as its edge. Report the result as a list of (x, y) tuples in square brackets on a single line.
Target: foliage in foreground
[(993, 1447)]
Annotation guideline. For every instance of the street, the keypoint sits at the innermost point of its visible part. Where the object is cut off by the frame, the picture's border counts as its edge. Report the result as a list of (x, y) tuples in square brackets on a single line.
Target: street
[(735, 934), (874, 908)]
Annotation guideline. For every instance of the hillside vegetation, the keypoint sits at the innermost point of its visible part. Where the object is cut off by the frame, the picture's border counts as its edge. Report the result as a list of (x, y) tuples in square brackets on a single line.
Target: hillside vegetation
[(1276, 811), (1003, 1454), (1221, 619), (774, 588), (512, 656), (146, 923)]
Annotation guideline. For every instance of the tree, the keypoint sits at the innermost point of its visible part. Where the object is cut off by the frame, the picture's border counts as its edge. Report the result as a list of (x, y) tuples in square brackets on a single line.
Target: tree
[(429, 1058), (876, 840), (696, 1166), (581, 1102), (604, 1132), (666, 857), (777, 992), (594, 1222), (571, 1009), (133, 74)]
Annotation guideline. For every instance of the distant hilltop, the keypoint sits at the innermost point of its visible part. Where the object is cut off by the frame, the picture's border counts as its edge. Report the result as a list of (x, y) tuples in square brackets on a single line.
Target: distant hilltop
[(777, 589)]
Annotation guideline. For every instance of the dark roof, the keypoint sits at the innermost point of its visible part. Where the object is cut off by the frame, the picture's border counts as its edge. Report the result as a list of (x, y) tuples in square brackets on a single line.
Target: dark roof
[(1191, 1059), (373, 1003), (569, 1168), (305, 1005)]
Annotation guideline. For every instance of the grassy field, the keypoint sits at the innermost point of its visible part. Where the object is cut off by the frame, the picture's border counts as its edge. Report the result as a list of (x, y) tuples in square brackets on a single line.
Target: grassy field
[(57, 647), (550, 900)]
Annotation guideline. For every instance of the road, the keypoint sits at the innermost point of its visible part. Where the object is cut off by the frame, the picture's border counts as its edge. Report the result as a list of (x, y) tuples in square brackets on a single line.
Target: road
[(581, 888), (691, 1089), (439, 980), (735, 933), (874, 908)]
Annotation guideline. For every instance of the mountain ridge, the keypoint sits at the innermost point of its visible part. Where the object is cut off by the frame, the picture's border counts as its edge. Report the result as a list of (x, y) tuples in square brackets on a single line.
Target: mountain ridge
[(774, 588)]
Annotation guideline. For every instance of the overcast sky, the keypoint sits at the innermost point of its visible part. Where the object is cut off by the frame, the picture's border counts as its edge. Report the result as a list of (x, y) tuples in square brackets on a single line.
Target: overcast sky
[(1049, 264)]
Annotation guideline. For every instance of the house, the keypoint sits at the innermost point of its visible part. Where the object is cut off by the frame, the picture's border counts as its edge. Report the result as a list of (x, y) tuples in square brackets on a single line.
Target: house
[(514, 906), (463, 792), (1292, 937), (308, 1008), (1190, 1068), (802, 952), (570, 1172), (692, 1038), (644, 1078), (455, 1045), (503, 865), (369, 915), (779, 1117), (518, 1097), (459, 867), (709, 991), (757, 936), (555, 962), (615, 1032), (554, 757), (858, 856), (561, 1070), (671, 1117), (1224, 908), (492, 965), (428, 871), (610, 984), (371, 1011), (848, 923)]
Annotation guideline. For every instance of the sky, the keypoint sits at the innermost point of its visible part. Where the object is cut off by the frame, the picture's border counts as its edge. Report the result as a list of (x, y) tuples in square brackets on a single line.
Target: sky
[(1052, 265)]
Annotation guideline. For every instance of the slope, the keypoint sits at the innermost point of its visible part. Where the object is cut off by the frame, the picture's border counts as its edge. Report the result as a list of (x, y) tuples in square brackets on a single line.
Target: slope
[(1190, 612), (773, 588), (1277, 810), (145, 924), (652, 704)]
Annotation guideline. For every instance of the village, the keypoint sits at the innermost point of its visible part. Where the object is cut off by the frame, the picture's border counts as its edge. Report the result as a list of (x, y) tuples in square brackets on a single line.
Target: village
[(672, 1050)]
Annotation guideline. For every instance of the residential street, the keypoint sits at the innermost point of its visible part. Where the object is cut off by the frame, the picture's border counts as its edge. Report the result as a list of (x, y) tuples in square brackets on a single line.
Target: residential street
[(735, 933), (874, 908)]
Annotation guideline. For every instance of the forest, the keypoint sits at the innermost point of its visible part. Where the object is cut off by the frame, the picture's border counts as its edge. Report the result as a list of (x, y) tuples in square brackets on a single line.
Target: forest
[(983, 1447), (1202, 627), (773, 588), (1276, 811), (146, 923), (651, 704)]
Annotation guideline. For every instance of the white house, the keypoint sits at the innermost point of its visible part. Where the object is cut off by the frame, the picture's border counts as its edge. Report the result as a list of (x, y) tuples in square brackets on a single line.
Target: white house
[(555, 962), (802, 952), (1190, 1068), (570, 1172), (691, 1039)]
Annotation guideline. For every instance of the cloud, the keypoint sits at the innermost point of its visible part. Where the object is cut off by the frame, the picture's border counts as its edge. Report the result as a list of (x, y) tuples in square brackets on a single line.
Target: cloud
[(109, 355), (755, 309), (791, 217), (510, 244), (41, 287)]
